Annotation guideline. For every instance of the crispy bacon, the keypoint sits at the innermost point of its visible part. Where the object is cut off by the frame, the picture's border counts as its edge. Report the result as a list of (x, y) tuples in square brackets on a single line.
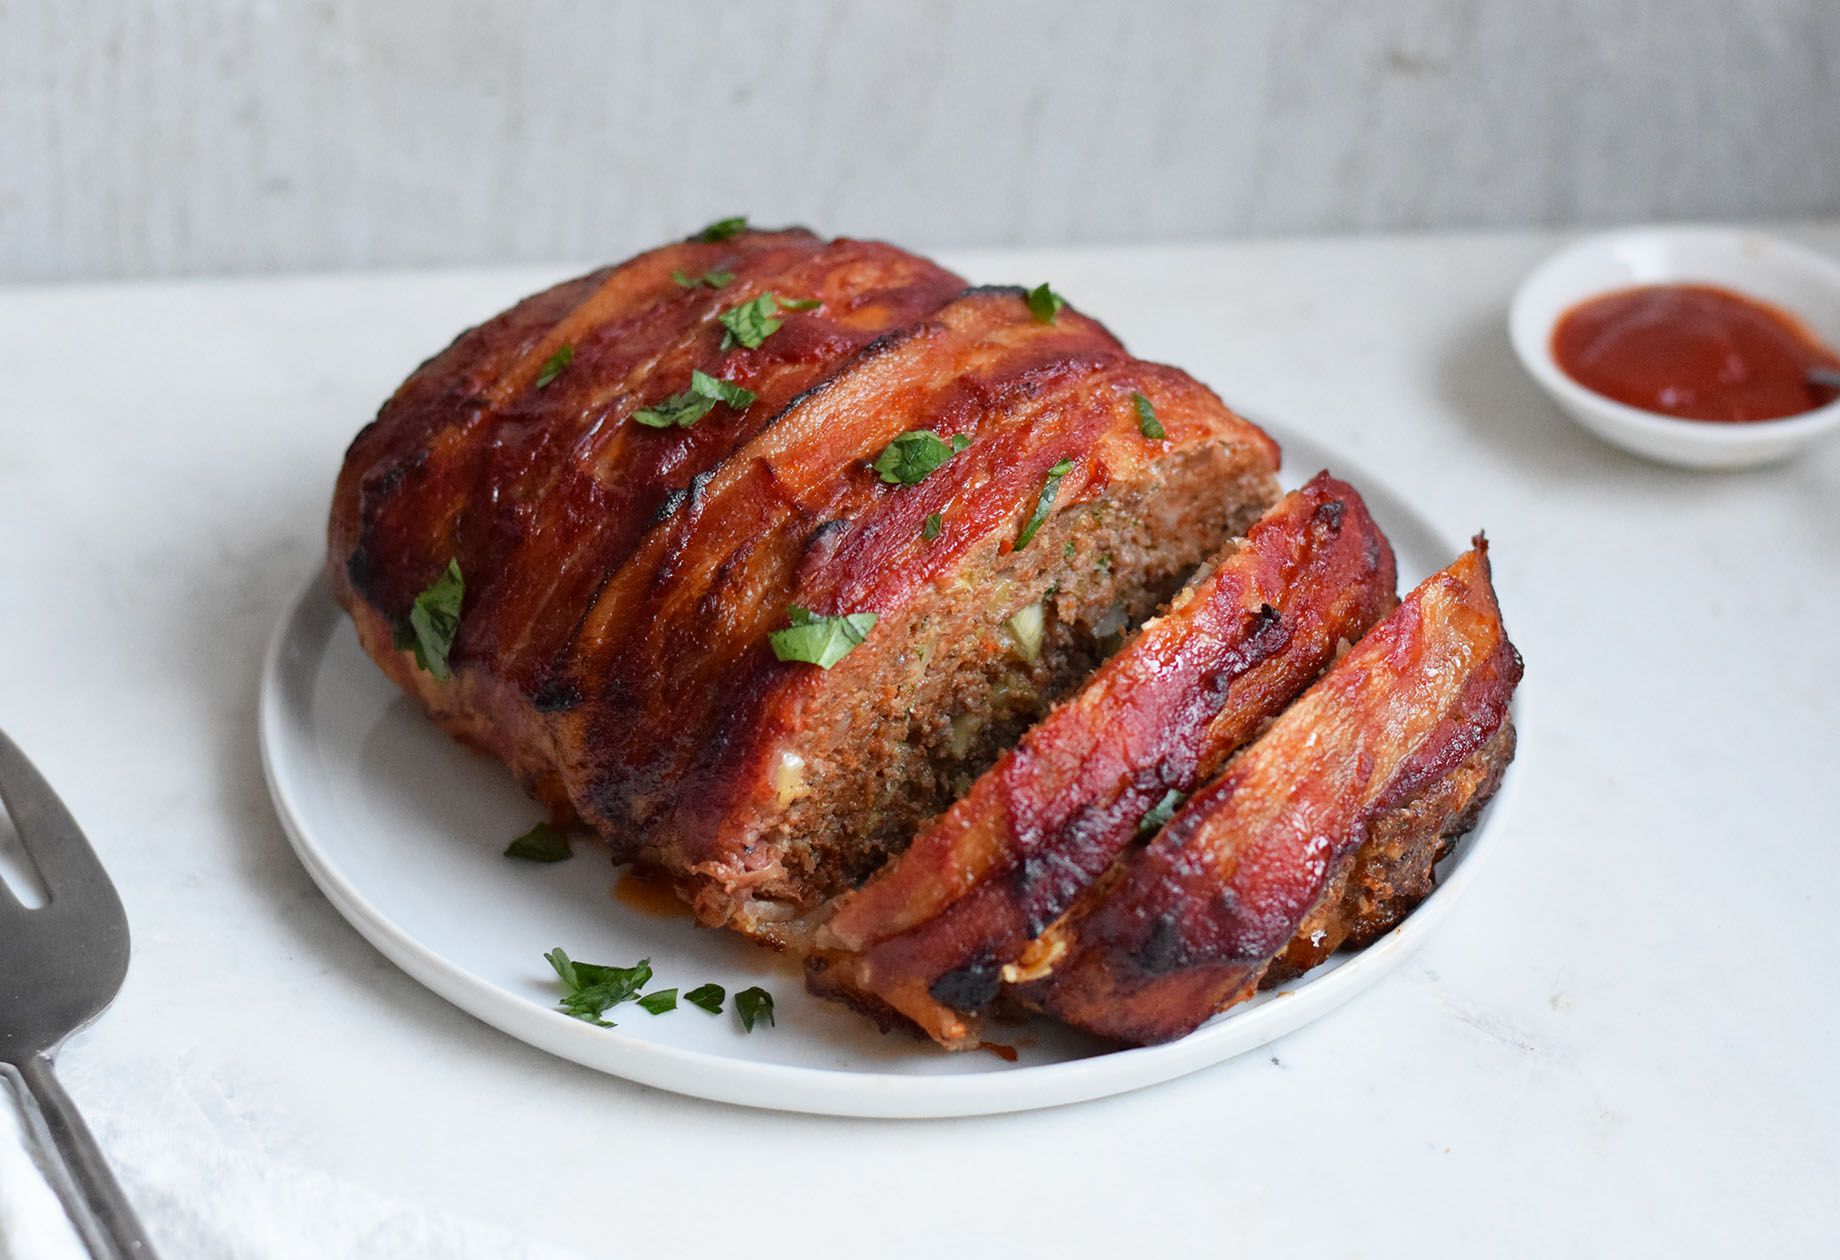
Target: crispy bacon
[(1394, 868), (540, 491), (1197, 916), (933, 934)]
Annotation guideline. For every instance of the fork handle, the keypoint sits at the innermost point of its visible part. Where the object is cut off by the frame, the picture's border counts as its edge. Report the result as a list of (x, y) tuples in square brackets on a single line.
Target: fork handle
[(103, 1217)]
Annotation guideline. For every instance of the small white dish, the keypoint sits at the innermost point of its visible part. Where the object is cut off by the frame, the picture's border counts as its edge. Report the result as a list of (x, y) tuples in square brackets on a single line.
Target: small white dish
[(403, 830), (1800, 281)]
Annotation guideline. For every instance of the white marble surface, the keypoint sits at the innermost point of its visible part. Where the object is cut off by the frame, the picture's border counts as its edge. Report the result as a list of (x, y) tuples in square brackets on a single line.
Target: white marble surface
[(208, 136), (1622, 1042)]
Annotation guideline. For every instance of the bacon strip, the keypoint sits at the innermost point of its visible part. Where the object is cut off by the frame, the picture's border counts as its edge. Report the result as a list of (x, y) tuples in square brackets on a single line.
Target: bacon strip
[(930, 936), (1198, 916)]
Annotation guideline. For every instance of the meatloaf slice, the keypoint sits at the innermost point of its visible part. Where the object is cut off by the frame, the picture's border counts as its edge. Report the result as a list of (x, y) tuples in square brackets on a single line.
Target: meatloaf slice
[(1197, 916), (932, 934), (1394, 869)]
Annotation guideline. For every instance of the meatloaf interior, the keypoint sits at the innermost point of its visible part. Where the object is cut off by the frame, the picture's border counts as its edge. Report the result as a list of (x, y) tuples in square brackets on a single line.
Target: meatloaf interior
[(931, 700)]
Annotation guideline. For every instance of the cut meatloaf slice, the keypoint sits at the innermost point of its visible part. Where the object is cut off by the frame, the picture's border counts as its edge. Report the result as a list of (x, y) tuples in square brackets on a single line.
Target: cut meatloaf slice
[(1411, 719), (1394, 869), (623, 581), (930, 937)]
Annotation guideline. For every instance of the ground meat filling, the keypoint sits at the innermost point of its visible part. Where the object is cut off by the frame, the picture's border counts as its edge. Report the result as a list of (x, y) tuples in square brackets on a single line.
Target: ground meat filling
[(977, 660)]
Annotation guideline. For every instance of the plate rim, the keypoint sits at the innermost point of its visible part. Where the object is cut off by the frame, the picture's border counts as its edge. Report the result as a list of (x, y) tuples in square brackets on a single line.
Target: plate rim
[(816, 1090)]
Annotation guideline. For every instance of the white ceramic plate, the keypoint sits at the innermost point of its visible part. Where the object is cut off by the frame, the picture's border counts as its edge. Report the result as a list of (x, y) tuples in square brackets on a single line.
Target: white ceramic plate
[(404, 830)]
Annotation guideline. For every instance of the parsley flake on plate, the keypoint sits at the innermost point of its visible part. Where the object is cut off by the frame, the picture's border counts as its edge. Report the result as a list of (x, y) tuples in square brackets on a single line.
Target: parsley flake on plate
[(685, 409), (589, 989), (434, 620), (754, 1005), (542, 843), (552, 366), (1049, 492), (708, 997), (820, 641), (800, 304), (1147, 423), (660, 1001), (1045, 303), (722, 229)]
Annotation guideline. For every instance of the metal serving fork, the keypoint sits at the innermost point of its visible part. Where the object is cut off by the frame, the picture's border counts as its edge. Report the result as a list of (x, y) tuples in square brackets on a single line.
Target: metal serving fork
[(60, 965)]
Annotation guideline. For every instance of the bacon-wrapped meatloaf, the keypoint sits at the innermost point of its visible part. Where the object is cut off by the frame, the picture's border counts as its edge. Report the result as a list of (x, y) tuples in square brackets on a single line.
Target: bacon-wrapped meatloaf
[(626, 499), (758, 552)]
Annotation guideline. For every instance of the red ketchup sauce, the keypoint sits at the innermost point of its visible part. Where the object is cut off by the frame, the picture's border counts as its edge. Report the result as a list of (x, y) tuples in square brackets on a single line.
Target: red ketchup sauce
[(1693, 351)]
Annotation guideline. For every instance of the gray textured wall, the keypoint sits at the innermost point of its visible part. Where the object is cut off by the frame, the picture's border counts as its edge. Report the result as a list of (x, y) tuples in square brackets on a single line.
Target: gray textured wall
[(180, 136)]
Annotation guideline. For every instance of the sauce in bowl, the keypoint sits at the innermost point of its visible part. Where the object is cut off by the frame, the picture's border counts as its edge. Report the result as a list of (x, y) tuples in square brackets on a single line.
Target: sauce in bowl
[(1695, 352)]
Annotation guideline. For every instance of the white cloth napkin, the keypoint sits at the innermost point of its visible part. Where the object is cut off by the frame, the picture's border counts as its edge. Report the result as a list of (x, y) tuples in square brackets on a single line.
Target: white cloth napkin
[(204, 1202)]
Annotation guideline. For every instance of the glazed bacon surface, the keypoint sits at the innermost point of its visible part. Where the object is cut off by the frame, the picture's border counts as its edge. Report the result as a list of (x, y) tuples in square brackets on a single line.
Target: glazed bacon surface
[(931, 935), (1419, 704), (541, 489)]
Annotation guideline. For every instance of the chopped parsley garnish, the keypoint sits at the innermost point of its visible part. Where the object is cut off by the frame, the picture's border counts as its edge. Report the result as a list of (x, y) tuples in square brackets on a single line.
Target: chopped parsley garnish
[(1045, 303), (434, 620), (542, 843), (678, 411), (912, 455), (1049, 492), (820, 641), (685, 409), (750, 323), (1147, 423), (552, 366), (707, 386), (589, 989), (1158, 815), (800, 304), (710, 279), (722, 229), (1067, 549), (707, 996), (659, 1002), (753, 1005), (934, 527)]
